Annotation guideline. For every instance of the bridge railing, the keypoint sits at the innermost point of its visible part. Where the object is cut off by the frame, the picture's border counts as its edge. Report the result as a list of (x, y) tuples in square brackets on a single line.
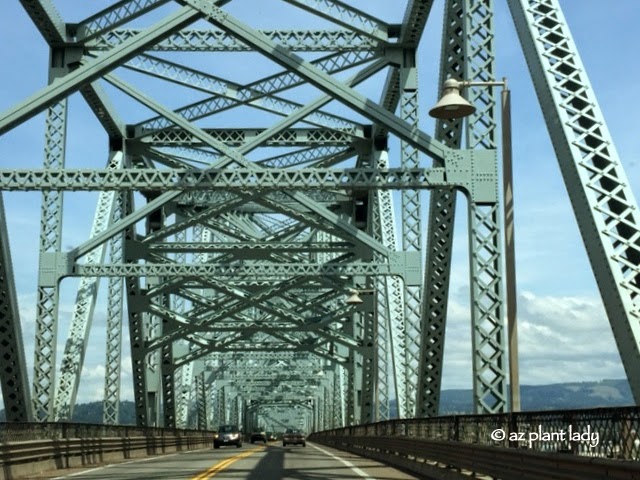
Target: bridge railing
[(21, 432), (31, 448), (569, 445), (601, 432)]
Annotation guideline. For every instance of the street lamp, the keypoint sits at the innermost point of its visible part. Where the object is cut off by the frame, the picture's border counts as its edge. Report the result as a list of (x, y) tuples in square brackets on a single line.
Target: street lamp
[(454, 105), (355, 299)]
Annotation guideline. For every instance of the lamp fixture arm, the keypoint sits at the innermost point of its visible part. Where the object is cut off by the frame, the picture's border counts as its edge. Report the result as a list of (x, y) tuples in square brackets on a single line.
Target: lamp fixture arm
[(472, 83)]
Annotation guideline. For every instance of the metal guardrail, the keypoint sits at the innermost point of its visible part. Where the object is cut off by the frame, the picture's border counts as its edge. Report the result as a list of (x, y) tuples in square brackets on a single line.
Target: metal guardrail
[(448, 460), (20, 432), (570, 445), (599, 432), (28, 448)]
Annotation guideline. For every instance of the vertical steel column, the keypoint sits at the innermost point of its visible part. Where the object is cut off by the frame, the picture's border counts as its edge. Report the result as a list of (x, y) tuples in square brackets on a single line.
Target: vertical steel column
[(152, 362), (369, 335), (44, 364), (14, 380), (168, 373), (369, 366), (111, 409), (157, 362), (603, 203), (213, 399), (326, 408), (485, 223), (383, 347), (343, 381), (329, 399), (353, 375), (178, 304), (136, 303), (411, 231), (185, 374), (390, 306), (442, 210), (487, 307), (175, 392), (235, 417), (222, 405), (201, 401), (82, 319)]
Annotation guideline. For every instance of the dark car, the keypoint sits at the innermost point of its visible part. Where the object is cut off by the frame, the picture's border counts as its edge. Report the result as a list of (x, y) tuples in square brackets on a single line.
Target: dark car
[(227, 435), (271, 436), (293, 436), (259, 436)]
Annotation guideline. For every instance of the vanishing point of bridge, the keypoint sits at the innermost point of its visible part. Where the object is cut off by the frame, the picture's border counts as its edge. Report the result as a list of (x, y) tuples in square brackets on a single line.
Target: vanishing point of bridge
[(263, 162)]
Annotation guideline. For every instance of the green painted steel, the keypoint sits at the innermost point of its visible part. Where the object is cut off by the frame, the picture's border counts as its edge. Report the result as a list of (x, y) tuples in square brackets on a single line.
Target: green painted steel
[(44, 365), (604, 205), (14, 381), (442, 211), (245, 206)]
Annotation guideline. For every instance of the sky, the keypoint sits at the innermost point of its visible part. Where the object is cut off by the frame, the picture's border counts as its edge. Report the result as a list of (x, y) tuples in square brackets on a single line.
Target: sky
[(564, 335)]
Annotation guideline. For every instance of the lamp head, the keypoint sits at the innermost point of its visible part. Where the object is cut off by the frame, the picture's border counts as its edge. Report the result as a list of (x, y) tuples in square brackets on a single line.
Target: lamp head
[(354, 299), (452, 104)]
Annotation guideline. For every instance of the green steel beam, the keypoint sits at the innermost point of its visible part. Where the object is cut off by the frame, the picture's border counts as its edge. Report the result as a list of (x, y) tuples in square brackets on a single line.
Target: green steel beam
[(440, 228), (347, 16), (269, 270), (240, 95), (604, 205), (47, 20), (321, 80), (93, 69), (246, 246), (292, 137), (112, 17), (14, 378), (219, 41), (237, 180), (270, 85)]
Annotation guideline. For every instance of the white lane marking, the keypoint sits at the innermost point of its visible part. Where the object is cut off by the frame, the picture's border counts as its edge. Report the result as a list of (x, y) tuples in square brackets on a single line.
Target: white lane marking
[(140, 460), (348, 464)]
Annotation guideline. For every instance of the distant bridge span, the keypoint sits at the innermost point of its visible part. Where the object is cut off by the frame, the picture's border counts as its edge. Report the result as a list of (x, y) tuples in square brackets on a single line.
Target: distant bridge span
[(247, 184)]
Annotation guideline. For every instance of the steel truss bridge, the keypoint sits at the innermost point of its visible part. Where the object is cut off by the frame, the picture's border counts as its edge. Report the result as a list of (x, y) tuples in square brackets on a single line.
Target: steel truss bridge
[(234, 217)]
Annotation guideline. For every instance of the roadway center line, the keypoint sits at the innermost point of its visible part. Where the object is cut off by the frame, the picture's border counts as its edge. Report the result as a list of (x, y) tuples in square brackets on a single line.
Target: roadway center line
[(355, 469), (218, 467)]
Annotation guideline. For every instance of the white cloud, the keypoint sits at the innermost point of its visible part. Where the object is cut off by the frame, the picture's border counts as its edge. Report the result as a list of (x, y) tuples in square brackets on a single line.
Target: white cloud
[(561, 339)]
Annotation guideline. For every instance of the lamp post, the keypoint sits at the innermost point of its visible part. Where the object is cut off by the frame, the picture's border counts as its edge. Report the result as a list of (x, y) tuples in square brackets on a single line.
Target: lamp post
[(453, 105)]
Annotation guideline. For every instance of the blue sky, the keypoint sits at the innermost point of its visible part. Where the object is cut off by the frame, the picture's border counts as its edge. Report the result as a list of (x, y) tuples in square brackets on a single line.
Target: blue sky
[(564, 334)]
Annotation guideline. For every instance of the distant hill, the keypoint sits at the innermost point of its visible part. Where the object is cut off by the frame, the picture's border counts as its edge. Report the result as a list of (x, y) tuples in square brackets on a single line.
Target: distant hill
[(92, 413), (559, 396)]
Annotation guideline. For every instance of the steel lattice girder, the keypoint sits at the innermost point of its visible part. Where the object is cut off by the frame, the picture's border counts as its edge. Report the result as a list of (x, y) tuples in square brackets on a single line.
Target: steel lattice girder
[(442, 208), (603, 203), (221, 179), (215, 230), (14, 380), (217, 41), (112, 19)]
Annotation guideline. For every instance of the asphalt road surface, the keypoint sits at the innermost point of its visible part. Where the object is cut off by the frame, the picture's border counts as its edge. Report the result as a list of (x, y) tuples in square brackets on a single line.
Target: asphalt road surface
[(250, 462)]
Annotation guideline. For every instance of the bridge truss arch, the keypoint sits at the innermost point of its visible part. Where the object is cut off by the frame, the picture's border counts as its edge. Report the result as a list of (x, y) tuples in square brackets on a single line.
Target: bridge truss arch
[(248, 181)]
